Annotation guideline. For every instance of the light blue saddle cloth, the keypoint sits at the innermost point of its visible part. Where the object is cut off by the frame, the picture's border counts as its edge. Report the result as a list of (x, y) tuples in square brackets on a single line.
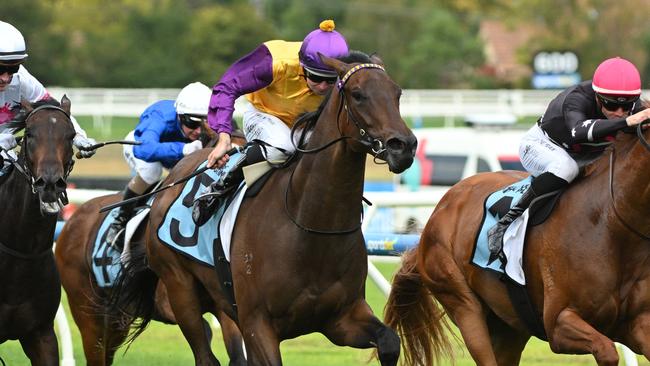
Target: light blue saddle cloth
[(179, 232), (496, 206), (105, 259)]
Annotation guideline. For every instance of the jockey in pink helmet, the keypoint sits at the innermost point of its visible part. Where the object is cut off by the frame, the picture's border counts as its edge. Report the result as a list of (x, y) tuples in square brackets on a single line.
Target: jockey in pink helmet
[(577, 126), (17, 84), (281, 80)]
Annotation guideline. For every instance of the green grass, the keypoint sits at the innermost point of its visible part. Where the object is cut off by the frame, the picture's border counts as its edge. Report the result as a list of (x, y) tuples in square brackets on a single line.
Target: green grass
[(164, 345)]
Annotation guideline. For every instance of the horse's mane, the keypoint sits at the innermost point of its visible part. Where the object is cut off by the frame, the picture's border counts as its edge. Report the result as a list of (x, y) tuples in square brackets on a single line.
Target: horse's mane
[(19, 121), (310, 118)]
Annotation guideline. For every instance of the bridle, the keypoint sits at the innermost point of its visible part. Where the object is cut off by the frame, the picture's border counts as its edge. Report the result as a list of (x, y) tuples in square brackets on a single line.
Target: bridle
[(646, 145), (375, 144), (21, 164)]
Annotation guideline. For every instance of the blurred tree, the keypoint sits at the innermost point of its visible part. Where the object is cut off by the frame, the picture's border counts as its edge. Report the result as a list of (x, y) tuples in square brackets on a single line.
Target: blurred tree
[(444, 54), (220, 35)]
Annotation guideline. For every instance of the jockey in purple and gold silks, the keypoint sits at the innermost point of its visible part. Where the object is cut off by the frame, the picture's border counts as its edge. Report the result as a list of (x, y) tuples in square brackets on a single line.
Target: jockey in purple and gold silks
[(281, 80)]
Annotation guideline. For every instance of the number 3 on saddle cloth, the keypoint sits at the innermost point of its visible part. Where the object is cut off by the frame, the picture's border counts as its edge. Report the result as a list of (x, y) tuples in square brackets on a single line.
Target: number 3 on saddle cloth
[(177, 230), (496, 206)]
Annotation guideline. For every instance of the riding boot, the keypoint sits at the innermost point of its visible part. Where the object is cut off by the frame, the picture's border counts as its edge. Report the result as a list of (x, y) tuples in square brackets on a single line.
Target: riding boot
[(544, 183), (207, 203), (124, 214)]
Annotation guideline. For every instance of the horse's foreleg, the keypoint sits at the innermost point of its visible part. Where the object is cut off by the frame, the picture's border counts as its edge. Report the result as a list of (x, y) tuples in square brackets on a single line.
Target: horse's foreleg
[(571, 334), (639, 337), (359, 328), (41, 346), (232, 339), (187, 310), (261, 340)]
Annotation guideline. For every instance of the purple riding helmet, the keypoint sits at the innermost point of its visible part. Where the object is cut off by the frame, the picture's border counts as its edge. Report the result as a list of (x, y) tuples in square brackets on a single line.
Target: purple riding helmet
[(326, 41)]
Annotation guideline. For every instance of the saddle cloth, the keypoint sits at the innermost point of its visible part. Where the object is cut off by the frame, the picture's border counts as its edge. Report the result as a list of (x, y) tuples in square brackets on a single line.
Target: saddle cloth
[(106, 260), (497, 205), (179, 232)]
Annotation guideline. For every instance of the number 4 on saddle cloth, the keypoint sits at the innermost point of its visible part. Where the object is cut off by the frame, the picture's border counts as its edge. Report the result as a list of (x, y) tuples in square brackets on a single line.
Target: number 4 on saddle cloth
[(496, 206), (177, 230)]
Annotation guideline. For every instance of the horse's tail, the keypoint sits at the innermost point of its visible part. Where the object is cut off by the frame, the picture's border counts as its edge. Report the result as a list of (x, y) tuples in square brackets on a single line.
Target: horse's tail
[(413, 313), (132, 301)]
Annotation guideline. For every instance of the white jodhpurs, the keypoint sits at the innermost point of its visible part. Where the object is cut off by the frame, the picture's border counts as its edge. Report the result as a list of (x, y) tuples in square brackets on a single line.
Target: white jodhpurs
[(539, 154), (270, 129), (149, 172)]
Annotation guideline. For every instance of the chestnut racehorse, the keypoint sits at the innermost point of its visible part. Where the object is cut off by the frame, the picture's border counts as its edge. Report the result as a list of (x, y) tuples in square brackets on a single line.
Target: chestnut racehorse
[(587, 269), (298, 256)]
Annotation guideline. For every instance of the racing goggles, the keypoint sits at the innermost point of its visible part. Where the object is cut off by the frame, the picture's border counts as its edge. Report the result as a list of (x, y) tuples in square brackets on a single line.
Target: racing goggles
[(319, 79), (192, 121), (613, 102), (10, 69)]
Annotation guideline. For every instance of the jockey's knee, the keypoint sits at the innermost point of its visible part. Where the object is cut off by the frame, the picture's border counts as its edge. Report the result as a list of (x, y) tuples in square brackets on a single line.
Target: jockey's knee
[(566, 169), (140, 183)]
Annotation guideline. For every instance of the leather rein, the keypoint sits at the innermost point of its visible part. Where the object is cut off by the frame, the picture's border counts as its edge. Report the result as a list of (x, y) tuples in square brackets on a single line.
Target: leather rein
[(646, 145), (376, 145)]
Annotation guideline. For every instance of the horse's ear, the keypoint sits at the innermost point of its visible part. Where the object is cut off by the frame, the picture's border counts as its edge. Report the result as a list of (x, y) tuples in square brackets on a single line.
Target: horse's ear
[(376, 59), (65, 104), (340, 66)]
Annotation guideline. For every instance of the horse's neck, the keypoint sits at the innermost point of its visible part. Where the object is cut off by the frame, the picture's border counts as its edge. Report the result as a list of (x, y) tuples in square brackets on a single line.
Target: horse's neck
[(332, 177), (23, 227)]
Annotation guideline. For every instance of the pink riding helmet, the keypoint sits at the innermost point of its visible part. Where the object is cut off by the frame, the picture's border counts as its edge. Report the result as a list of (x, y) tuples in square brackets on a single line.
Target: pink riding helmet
[(616, 76), (326, 41)]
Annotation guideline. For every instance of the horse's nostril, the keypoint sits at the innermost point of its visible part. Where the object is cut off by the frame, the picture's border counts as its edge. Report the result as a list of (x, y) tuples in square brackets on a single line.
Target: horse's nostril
[(60, 185), (395, 144), (39, 184)]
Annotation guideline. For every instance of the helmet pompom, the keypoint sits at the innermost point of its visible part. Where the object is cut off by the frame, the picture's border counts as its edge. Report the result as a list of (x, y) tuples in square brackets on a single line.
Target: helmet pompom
[(327, 25), (326, 41)]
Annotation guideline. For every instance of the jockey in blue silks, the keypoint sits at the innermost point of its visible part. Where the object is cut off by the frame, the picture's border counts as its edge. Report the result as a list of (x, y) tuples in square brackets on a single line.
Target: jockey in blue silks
[(168, 131)]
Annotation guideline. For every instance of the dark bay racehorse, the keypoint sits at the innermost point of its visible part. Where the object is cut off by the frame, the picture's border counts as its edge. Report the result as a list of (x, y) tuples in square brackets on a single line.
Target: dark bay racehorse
[(298, 256), (102, 332), (31, 197), (587, 269)]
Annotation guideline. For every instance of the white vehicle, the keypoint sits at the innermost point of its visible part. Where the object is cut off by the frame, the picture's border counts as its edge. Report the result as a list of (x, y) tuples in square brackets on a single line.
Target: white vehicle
[(447, 155)]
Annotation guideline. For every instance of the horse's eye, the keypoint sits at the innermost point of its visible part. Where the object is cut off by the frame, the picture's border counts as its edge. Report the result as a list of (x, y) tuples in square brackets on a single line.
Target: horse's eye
[(358, 95)]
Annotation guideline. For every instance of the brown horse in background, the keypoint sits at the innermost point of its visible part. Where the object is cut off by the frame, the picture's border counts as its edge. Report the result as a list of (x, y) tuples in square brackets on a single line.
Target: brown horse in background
[(32, 195), (587, 269), (102, 332), (298, 256)]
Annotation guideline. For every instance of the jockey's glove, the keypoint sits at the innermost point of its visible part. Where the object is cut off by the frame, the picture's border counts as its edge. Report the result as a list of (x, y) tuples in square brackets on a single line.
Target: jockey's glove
[(7, 141), (80, 142), (192, 147)]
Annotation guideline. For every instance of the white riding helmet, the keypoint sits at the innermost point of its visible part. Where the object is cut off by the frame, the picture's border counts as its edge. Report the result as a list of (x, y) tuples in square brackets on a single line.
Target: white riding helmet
[(12, 44), (193, 99)]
